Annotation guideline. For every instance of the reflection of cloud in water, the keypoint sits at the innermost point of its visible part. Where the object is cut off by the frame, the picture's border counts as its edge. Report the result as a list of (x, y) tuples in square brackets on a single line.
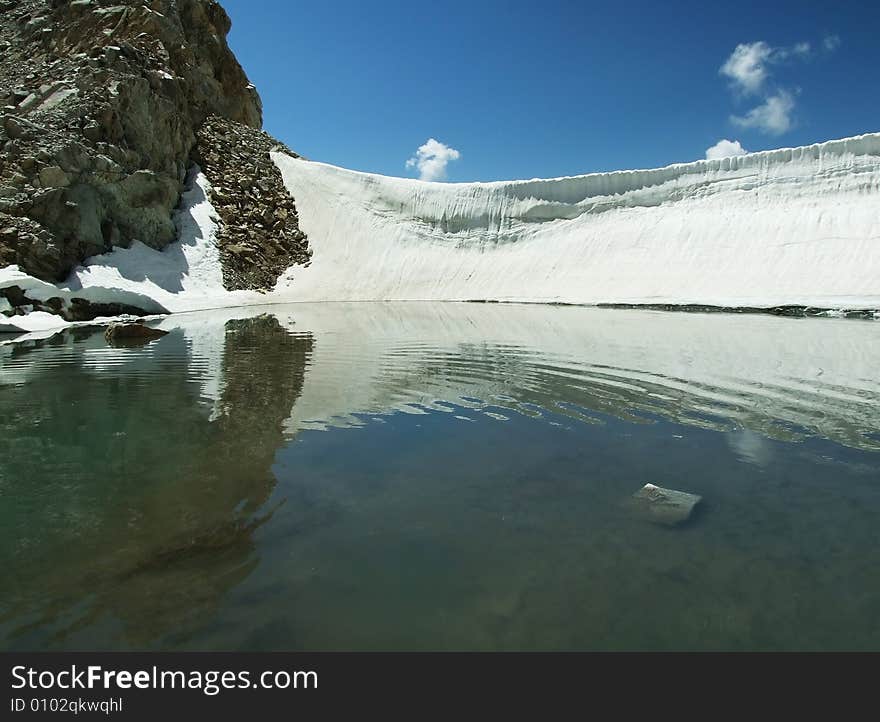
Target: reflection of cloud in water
[(751, 447)]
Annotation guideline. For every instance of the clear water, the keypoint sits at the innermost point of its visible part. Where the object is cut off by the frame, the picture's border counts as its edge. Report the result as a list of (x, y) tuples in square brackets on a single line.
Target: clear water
[(441, 477)]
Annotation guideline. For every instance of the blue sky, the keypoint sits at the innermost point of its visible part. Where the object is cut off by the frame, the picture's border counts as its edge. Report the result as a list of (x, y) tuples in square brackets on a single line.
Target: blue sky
[(527, 89)]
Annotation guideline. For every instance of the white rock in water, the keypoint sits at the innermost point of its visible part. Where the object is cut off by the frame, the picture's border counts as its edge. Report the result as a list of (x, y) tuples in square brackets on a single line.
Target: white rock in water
[(665, 506)]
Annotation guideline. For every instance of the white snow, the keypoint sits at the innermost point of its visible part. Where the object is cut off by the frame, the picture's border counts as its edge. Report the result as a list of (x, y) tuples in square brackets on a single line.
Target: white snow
[(35, 321), (185, 276), (9, 328), (791, 226)]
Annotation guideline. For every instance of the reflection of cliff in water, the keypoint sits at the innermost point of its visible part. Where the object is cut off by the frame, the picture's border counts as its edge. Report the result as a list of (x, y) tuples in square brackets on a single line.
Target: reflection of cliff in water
[(123, 500)]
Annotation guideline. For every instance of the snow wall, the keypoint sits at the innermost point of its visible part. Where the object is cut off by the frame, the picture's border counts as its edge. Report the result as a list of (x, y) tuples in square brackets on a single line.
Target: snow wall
[(797, 226), (793, 226)]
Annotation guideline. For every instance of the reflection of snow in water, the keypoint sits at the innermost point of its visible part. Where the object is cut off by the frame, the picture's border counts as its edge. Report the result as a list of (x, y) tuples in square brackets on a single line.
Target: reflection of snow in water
[(751, 447), (754, 376), (771, 376), (497, 533)]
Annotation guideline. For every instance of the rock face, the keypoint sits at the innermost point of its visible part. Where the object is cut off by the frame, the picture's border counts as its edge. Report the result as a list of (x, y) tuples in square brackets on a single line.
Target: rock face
[(259, 235), (101, 105)]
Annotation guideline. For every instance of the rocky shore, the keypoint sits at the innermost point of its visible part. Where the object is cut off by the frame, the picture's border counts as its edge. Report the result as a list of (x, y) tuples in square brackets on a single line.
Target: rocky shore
[(105, 106)]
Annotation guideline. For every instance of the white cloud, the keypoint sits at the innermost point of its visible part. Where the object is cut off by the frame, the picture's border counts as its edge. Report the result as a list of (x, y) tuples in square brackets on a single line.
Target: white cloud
[(749, 69), (772, 116), (725, 149), (747, 66), (431, 160)]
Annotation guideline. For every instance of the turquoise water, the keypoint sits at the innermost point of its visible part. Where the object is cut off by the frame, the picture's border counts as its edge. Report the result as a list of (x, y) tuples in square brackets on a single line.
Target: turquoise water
[(441, 477)]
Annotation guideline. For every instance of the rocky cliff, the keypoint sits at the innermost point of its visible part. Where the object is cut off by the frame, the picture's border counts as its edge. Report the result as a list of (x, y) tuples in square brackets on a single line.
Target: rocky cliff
[(104, 103)]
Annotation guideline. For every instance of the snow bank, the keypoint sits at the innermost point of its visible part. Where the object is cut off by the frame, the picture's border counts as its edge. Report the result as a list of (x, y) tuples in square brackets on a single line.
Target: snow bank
[(185, 276), (9, 328), (41, 290), (792, 226)]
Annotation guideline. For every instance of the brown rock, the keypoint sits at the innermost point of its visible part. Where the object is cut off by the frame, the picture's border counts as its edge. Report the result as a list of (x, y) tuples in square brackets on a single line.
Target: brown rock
[(14, 127), (120, 83), (126, 332), (54, 177)]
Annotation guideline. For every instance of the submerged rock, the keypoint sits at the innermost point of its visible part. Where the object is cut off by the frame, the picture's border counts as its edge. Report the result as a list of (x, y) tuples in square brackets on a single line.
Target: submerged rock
[(132, 333), (665, 506)]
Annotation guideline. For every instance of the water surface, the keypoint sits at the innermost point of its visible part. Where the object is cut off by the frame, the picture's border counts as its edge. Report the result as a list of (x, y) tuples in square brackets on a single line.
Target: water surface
[(441, 476)]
